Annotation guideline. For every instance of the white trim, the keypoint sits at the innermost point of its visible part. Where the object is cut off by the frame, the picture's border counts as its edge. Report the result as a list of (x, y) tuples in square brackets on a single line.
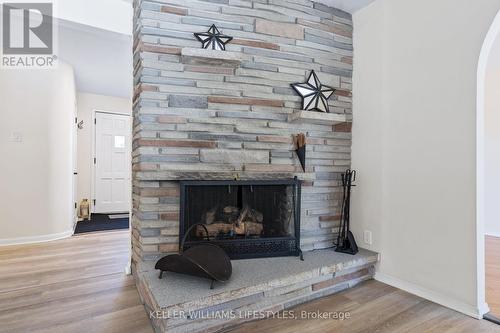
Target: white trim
[(433, 296), (490, 39), (92, 165), (492, 234), (483, 309), (128, 268), (36, 239)]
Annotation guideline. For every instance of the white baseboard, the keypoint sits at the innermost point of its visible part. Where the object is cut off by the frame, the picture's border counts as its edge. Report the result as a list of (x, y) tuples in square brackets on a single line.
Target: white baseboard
[(128, 269), (433, 296), (493, 234), (36, 239), (483, 309)]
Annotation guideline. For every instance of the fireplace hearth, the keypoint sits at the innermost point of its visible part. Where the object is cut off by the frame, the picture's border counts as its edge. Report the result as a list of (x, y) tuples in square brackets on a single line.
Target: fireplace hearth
[(248, 219)]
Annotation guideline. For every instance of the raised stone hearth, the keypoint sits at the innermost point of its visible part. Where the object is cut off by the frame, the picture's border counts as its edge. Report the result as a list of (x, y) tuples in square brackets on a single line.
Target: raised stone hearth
[(258, 287)]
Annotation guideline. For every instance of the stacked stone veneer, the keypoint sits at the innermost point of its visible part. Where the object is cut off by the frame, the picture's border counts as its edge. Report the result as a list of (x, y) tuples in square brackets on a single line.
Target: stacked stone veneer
[(203, 114)]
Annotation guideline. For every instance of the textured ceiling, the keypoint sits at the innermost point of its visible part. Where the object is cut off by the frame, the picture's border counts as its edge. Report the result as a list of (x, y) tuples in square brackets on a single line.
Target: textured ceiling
[(347, 5), (101, 59)]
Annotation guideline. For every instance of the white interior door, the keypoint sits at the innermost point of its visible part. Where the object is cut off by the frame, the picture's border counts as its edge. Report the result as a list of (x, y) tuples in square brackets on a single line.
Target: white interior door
[(112, 163)]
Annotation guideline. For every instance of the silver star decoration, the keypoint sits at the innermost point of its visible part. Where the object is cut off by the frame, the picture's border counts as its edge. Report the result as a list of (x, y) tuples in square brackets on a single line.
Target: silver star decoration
[(314, 95), (213, 39)]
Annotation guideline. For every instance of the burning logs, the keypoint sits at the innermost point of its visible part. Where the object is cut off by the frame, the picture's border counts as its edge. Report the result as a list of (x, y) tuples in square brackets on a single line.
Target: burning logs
[(232, 221)]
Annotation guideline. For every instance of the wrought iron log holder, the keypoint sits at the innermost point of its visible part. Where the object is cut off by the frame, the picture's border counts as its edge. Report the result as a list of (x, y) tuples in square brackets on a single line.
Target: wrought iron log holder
[(204, 260)]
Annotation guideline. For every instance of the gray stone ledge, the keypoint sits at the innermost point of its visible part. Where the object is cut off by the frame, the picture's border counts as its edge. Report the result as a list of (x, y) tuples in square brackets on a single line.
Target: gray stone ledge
[(236, 57), (318, 118), (218, 175)]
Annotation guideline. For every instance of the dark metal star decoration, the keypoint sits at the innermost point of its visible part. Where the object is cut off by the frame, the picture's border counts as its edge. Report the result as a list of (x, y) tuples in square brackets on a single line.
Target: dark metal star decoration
[(213, 39), (314, 95)]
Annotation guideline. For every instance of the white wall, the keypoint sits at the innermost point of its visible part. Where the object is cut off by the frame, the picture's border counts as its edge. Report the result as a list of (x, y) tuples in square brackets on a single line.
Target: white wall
[(414, 135), (492, 143), (87, 104), (366, 211), (36, 174)]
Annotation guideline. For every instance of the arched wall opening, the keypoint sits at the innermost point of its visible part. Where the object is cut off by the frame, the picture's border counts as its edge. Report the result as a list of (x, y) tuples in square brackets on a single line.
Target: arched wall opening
[(488, 151)]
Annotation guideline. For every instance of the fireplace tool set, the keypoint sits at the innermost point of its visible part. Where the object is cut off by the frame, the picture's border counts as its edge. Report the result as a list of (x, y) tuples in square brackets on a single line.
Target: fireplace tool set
[(345, 240)]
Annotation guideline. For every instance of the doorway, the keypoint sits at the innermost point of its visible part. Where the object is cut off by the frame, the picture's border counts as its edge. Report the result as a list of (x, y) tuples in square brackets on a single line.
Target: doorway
[(110, 173)]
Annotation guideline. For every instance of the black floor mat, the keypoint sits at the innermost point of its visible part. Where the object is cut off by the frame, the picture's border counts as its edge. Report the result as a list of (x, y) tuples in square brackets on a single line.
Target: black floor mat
[(101, 222), (491, 317)]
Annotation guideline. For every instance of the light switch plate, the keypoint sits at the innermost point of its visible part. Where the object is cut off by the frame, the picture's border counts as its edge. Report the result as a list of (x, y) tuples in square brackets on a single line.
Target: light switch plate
[(367, 237), (16, 137)]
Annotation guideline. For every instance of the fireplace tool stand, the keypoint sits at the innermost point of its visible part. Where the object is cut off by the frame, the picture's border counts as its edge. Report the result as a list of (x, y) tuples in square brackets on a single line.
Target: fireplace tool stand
[(345, 240), (296, 193)]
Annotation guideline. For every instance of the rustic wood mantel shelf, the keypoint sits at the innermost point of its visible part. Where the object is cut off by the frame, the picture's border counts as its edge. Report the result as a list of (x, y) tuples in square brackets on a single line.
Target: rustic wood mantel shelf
[(320, 118)]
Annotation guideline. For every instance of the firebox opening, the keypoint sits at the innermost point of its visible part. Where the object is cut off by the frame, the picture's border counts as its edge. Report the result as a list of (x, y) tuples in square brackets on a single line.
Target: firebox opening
[(247, 219)]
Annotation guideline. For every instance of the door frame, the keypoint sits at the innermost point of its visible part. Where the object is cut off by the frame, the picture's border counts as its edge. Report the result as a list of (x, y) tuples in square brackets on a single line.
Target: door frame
[(94, 150), (491, 38)]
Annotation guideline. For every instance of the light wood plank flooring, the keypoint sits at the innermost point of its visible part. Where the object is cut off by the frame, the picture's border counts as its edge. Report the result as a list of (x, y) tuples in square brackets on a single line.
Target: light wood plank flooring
[(70, 286), (78, 285), (374, 308), (492, 253)]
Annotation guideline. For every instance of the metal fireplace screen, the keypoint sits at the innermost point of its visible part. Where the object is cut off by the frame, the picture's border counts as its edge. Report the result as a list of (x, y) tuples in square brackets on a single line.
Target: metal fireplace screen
[(248, 219)]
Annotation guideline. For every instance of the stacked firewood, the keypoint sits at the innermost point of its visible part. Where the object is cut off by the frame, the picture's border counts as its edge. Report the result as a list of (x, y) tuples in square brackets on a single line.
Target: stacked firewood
[(232, 220)]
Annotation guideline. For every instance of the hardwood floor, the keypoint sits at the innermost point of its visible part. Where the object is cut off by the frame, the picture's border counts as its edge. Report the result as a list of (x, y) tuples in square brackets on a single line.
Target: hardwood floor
[(492, 253), (69, 286), (374, 308), (77, 285)]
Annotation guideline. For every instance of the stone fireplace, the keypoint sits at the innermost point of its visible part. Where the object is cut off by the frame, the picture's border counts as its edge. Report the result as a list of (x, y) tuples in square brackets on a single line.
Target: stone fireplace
[(213, 143), (248, 219), (204, 115)]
